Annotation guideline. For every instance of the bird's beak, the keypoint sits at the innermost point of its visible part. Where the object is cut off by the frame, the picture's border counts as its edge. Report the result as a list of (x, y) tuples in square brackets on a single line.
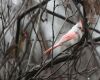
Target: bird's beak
[(81, 23)]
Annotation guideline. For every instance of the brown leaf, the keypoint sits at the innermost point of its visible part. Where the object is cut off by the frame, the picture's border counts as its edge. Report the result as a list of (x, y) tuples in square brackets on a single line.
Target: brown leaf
[(11, 51), (92, 7), (97, 7)]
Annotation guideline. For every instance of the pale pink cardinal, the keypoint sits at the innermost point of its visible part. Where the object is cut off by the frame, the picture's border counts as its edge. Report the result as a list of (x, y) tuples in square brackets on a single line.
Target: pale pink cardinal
[(74, 33)]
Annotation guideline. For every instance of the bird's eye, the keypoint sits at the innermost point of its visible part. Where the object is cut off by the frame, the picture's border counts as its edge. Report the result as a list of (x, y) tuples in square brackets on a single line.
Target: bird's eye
[(79, 27)]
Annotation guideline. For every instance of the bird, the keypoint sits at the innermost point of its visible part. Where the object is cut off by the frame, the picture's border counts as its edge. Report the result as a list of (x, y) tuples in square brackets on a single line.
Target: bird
[(74, 33)]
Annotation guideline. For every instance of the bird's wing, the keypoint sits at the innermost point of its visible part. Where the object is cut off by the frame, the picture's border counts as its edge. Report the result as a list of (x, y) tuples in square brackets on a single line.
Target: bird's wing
[(68, 36)]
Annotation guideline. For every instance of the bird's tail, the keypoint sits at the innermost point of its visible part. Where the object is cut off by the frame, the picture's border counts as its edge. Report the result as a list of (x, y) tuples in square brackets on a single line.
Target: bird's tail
[(51, 48)]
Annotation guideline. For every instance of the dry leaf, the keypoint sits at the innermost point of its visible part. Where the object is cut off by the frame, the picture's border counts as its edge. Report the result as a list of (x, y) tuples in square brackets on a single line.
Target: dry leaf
[(92, 7)]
